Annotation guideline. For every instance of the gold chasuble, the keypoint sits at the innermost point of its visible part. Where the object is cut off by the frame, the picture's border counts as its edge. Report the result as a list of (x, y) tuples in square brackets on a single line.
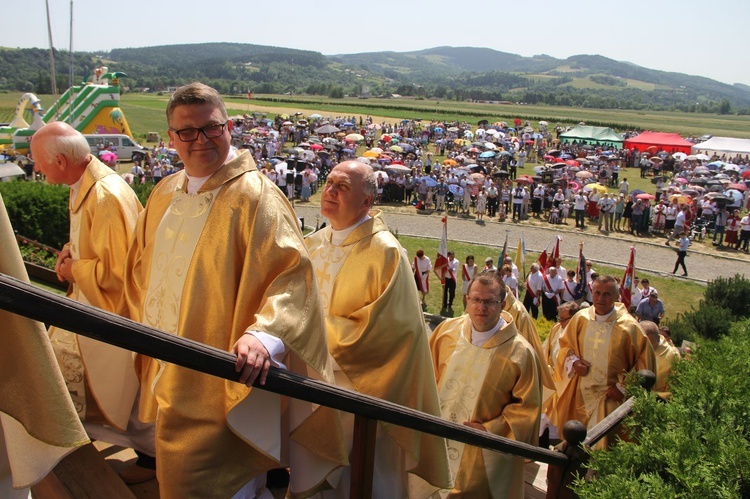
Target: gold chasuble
[(100, 377), (377, 336), (526, 328), (497, 385), (613, 347), (209, 267), (666, 355), (38, 424)]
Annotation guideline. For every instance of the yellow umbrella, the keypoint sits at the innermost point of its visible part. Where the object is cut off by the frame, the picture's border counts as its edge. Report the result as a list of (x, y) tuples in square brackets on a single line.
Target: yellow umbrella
[(355, 137), (396, 148), (597, 187), (450, 162), (371, 154), (462, 142)]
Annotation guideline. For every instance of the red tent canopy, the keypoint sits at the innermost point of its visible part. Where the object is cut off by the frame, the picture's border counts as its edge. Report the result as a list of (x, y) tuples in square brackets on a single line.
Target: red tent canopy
[(659, 141)]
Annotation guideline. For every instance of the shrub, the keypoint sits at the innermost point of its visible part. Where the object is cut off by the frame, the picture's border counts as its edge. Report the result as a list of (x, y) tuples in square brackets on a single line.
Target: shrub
[(732, 293), (709, 321), (698, 444), (38, 210)]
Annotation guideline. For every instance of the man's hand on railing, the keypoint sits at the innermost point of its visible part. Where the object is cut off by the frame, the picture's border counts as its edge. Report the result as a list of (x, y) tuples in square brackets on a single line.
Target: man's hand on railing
[(475, 425), (252, 359)]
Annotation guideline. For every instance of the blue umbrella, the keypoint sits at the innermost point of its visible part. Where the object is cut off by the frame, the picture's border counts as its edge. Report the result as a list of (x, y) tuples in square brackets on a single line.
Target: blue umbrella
[(504, 153), (431, 182), (347, 151), (487, 154), (347, 123), (438, 129), (456, 189)]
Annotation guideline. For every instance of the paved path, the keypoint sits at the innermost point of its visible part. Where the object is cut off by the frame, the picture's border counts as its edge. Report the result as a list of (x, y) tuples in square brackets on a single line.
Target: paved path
[(651, 257)]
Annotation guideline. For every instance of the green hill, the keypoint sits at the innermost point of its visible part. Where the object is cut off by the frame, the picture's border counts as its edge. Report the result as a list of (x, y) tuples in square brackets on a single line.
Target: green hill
[(445, 73)]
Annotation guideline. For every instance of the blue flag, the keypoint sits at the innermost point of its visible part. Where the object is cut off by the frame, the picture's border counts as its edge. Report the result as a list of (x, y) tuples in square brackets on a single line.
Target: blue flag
[(582, 286)]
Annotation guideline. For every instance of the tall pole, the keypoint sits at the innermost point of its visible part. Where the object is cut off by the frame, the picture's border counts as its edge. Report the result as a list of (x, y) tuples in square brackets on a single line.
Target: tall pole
[(53, 76), (70, 66)]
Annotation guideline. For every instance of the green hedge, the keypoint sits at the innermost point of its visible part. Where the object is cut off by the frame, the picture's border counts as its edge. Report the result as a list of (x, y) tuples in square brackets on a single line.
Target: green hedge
[(38, 210)]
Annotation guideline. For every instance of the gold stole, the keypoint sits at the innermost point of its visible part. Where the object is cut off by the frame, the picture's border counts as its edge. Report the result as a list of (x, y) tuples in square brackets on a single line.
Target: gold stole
[(65, 343), (596, 350), (459, 391), (176, 239), (91, 369), (328, 260)]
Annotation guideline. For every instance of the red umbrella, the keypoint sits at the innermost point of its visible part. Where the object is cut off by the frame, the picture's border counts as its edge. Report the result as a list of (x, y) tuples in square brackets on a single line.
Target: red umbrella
[(572, 162), (386, 138), (316, 147), (746, 174), (525, 179), (739, 187)]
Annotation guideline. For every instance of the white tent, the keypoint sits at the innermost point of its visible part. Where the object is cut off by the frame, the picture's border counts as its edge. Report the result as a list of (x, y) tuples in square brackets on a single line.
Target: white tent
[(723, 145)]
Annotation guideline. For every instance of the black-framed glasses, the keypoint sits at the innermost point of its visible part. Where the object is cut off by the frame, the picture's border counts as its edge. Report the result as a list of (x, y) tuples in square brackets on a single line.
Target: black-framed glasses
[(486, 303), (210, 131)]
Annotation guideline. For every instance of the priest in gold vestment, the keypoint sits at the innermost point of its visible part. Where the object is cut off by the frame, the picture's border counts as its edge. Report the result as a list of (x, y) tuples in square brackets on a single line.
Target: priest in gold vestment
[(376, 332), (489, 378), (219, 258), (38, 423), (601, 344), (526, 328), (103, 211), (666, 355)]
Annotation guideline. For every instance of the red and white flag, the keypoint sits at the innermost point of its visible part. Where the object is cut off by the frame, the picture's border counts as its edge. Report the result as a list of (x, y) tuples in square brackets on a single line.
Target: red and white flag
[(628, 280), (441, 262), (545, 259)]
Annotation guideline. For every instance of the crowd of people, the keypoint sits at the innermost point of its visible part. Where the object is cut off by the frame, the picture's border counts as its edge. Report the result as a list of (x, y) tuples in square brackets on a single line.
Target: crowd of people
[(342, 306)]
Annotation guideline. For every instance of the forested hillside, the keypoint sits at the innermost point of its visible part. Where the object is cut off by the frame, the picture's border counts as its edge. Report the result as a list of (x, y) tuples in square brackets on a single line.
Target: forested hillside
[(445, 73)]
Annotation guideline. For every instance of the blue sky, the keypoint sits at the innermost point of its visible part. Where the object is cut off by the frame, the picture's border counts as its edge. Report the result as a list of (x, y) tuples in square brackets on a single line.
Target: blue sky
[(699, 38)]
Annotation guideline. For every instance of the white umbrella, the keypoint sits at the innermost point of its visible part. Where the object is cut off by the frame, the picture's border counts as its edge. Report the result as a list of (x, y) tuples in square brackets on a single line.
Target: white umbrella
[(381, 174), (490, 146), (680, 155), (364, 160), (397, 168), (281, 168), (702, 157), (731, 167), (9, 169)]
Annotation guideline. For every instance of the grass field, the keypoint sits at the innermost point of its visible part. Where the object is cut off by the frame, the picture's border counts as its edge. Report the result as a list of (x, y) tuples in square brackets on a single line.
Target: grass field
[(145, 113)]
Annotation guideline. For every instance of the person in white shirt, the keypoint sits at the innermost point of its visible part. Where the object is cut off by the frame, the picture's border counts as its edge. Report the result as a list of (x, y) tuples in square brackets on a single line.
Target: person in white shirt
[(449, 287), (551, 294), (682, 247), (422, 266), (744, 233), (679, 224), (510, 280), (534, 286), (509, 261), (646, 289), (579, 206), (606, 212), (468, 270), (569, 287)]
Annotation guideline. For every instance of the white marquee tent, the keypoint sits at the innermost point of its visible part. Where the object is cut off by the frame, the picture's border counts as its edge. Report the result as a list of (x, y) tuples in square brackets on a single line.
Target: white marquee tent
[(723, 145)]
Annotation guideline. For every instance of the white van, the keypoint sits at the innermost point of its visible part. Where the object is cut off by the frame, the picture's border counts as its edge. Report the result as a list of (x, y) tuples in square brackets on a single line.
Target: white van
[(127, 149)]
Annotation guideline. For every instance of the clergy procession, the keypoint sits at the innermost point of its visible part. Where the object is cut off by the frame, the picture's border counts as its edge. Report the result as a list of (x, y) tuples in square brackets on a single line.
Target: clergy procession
[(217, 256)]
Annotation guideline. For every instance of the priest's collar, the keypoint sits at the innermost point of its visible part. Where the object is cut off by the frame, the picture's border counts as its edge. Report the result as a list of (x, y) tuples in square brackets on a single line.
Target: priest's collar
[(479, 338), (605, 317), (339, 236)]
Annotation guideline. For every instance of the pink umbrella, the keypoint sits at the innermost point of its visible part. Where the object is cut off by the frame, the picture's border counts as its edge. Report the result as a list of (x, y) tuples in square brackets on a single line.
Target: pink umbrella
[(645, 195), (739, 187), (316, 147), (574, 185), (681, 180)]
